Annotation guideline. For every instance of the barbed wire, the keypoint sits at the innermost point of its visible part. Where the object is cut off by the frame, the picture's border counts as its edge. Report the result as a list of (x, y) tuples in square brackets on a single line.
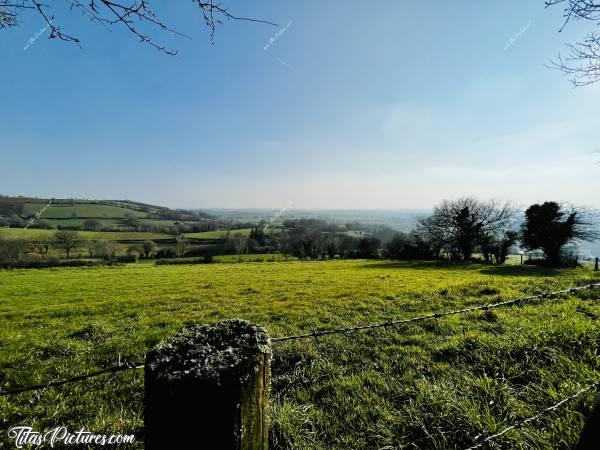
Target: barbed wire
[(389, 323), (522, 422), (125, 365)]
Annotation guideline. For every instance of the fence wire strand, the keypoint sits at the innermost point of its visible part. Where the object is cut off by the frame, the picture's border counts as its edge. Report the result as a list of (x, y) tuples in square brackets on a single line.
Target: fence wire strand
[(126, 365), (540, 414), (390, 323), (114, 369)]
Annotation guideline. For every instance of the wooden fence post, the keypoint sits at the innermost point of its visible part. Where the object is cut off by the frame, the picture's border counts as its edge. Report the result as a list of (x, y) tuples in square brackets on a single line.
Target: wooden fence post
[(208, 387), (596, 265), (590, 436)]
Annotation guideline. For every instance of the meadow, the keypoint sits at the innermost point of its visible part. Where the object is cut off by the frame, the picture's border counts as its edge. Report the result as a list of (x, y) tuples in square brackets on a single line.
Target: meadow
[(32, 234), (66, 211), (219, 234), (433, 384)]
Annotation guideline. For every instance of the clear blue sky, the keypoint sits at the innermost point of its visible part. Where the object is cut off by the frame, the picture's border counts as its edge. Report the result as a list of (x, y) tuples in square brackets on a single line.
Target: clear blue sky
[(355, 105)]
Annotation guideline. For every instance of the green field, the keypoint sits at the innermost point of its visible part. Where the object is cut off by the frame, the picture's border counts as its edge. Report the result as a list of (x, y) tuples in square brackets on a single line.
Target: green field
[(80, 222), (217, 234), (34, 234), (255, 257), (66, 211), (433, 384)]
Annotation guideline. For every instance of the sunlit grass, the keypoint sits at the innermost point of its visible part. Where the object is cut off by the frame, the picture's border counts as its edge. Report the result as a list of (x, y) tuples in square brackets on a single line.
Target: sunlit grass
[(434, 384)]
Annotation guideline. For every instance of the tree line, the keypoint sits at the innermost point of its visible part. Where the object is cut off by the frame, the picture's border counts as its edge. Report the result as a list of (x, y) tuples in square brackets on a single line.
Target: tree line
[(465, 229)]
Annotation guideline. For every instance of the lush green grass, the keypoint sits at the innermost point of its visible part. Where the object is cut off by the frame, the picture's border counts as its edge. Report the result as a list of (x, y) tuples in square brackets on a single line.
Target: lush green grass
[(34, 234), (108, 222), (255, 257), (217, 234), (64, 211), (80, 222), (433, 384)]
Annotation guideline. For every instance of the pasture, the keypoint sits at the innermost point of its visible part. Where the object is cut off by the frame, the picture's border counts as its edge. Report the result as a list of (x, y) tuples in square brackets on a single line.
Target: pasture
[(433, 384), (32, 234), (220, 234), (81, 210)]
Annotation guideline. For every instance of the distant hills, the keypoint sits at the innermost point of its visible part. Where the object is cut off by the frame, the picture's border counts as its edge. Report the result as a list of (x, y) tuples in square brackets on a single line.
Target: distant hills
[(74, 212)]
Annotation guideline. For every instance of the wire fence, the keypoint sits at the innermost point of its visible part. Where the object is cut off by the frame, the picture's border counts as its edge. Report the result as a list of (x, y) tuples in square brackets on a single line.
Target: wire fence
[(127, 365), (390, 323), (537, 416)]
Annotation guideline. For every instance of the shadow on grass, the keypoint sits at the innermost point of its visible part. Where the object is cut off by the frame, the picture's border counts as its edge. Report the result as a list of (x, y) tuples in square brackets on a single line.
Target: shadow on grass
[(514, 271), (501, 270), (434, 264)]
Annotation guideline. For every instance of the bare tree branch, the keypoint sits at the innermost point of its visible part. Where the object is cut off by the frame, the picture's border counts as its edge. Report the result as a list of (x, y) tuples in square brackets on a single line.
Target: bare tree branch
[(9, 11), (132, 14), (583, 60)]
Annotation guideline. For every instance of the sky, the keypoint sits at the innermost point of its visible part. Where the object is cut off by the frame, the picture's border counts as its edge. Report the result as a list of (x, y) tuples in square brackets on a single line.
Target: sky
[(344, 105)]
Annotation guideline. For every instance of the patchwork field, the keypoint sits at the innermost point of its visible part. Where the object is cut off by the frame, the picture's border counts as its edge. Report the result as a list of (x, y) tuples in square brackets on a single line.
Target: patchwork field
[(35, 234), (65, 211), (217, 234), (433, 384)]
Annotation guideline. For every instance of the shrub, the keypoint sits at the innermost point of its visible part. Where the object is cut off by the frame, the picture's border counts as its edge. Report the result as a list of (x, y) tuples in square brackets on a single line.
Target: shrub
[(49, 263), (125, 259), (208, 259), (166, 253)]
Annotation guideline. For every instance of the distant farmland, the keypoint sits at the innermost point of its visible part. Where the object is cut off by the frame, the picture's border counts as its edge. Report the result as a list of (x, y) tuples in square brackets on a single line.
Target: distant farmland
[(81, 210), (34, 234)]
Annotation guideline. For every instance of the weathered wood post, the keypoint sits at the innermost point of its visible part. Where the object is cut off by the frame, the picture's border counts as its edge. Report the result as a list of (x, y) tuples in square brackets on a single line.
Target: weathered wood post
[(208, 387), (596, 265)]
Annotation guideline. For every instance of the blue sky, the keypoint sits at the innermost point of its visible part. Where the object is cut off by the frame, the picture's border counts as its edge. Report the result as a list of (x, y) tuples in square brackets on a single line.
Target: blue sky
[(353, 106)]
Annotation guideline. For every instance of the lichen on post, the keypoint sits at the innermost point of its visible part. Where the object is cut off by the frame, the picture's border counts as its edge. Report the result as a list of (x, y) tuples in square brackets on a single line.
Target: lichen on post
[(208, 387)]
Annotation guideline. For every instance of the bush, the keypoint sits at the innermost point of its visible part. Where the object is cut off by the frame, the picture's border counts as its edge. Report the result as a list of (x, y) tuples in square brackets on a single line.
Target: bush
[(208, 259), (12, 250), (166, 253), (103, 249), (198, 252), (125, 259), (42, 225), (49, 263), (135, 251)]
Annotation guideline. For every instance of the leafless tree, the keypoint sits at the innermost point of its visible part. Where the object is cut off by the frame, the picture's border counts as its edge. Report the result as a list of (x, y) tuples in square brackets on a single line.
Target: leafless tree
[(240, 243), (458, 225), (66, 241), (104, 249), (134, 15), (583, 60), (11, 250), (181, 246)]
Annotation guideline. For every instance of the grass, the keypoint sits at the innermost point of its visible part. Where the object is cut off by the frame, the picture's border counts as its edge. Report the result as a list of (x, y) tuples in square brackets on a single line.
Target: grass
[(255, 257), (32, 234), (217, 234), (63, 211), (80, 222), (434, 384)]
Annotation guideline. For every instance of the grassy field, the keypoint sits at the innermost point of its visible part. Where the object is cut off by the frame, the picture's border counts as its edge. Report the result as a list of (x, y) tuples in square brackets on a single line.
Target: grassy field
[(435, 384), (217, 234), (64, 211), (107, 222), (255, 257), (34, 234)]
